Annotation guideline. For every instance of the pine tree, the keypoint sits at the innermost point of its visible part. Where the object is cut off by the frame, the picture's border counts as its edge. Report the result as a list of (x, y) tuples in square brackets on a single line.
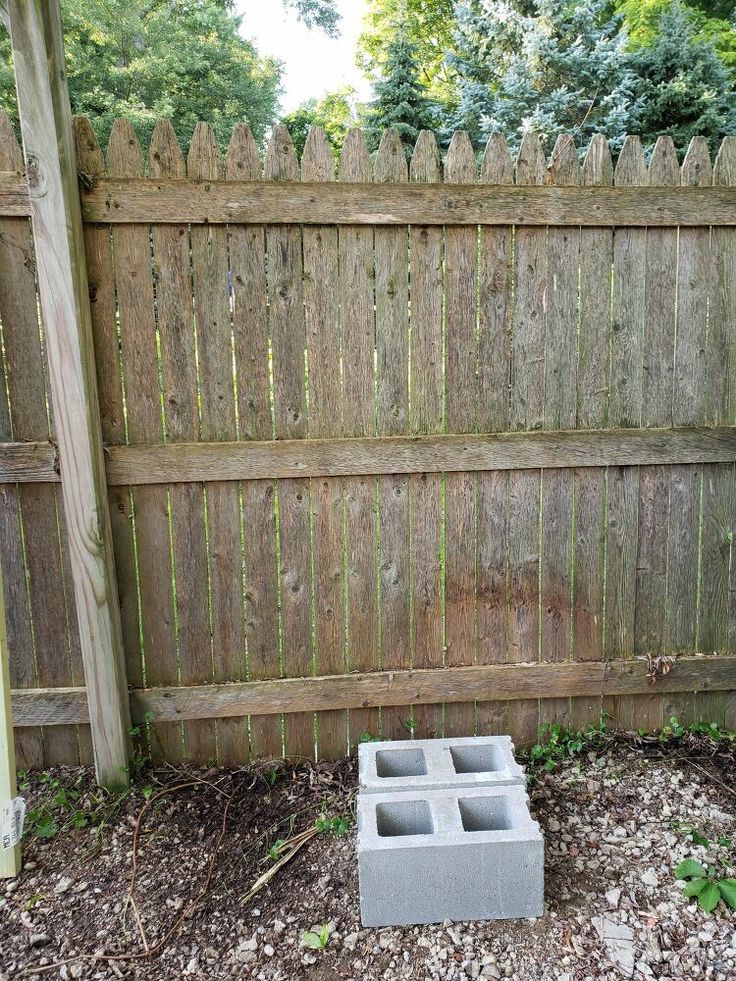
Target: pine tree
[(684, 88), (400, 100), (561, 69)]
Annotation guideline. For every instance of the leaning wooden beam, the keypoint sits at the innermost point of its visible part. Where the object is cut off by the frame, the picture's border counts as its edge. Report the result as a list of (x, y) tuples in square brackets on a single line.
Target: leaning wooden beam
[(45, 117), (699, 672), (271, 202), (183, 462), (9, 857)]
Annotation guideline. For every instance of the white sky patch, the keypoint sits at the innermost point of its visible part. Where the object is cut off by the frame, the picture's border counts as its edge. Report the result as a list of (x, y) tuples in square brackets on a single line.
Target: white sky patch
[(313, 63)]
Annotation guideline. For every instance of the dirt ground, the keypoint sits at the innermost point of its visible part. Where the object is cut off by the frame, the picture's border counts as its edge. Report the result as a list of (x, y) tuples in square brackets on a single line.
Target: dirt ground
[(615, 824)]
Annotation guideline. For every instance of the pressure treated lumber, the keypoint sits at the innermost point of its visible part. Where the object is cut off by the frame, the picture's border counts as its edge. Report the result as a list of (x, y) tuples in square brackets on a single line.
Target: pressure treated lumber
[(45, 116), (698, 672), (9, 857), (286, 202)]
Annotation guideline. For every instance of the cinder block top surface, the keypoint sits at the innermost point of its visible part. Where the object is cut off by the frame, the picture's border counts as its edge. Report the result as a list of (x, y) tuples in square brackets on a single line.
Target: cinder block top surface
[(436, 764), (423, 819)]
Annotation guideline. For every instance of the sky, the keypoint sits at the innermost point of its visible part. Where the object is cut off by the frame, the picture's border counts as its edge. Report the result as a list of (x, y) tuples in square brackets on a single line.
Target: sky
[(313, 63)]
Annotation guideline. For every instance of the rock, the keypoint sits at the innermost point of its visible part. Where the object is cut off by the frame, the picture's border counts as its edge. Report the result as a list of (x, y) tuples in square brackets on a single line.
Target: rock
[(612, 897), (490, 971), (193, 966), (350, 940), (618, 942), (63, 885), (38, 939), (278, 926), (76, 970), (650, 878), (268, 950)]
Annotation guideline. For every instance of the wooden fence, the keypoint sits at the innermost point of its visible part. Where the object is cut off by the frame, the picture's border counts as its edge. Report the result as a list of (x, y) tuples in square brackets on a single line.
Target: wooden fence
[(388, 449)]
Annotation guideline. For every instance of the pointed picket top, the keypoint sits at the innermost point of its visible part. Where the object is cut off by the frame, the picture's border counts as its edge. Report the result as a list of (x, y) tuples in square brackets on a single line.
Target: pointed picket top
[(124, 155), (318, 164), (497, 166), (390, 158), (531, 166), (204, 162), (631, 168), (281, 163), (460, 163), (724, 169), (165, 158), (355, 160), (696, 167), (11, 155), (598, 166), (564, 167), (90, 159), (425, 166), (664, 170), (242, 161)]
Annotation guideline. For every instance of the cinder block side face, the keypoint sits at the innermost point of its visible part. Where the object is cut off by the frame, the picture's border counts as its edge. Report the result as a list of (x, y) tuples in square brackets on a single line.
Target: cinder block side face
[(469, 854), (404, 765)]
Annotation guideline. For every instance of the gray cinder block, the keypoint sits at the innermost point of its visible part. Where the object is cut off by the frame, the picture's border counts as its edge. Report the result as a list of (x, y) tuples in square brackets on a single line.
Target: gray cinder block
[(465, 854), (475, 761)]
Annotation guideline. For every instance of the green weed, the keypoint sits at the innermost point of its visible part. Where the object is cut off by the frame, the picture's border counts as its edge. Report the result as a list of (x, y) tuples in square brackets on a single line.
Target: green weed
[(705, 882), (316, 940)]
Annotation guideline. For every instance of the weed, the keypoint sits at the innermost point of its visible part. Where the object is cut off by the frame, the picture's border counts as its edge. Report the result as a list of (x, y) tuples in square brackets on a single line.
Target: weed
[(561, 743), (368, 737), (707, 884), (316, 939), (338, 826), (410, 724)]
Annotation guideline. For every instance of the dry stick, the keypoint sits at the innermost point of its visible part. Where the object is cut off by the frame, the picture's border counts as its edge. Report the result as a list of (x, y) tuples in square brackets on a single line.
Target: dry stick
[(158, 946), (296, 843)]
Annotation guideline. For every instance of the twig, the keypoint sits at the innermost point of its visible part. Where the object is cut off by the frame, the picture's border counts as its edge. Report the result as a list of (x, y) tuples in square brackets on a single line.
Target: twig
[(295, 844)]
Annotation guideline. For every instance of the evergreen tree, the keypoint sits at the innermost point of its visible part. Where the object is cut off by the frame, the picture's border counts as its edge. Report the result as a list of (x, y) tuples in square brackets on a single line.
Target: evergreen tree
[(561, 69), (400, 100), (684, 88)]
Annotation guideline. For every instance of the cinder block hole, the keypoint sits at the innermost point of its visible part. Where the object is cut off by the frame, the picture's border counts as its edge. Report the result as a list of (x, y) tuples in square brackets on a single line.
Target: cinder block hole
[(485, 813), (411, 817), (401, 763), (476, 759)]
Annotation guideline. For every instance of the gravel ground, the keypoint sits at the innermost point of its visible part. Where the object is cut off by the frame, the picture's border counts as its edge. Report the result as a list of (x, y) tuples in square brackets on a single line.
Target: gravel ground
[(614, 824)]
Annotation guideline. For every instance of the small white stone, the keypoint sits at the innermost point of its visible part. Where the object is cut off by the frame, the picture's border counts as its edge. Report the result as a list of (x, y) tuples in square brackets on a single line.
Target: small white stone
[(612, 897), (63, 885), (268, 950), (650, 878)]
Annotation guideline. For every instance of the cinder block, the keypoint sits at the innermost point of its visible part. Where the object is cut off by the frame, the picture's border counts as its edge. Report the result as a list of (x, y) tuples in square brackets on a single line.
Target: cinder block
[(466, 854), (472, 761)]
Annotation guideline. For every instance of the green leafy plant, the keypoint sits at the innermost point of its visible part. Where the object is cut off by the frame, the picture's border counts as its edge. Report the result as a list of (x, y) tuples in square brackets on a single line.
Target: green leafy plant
[(277, 848), (692, 833), (704, 882), (316, 940), (368, 737), (557, 743), (338, 826)]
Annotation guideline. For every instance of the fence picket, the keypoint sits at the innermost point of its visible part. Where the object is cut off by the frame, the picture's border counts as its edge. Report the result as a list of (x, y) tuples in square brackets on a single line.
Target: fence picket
[(495, 279), (288, 333), (596, 260), (392, 416), (251, 344), (461, 408), (357, 319), (560, 390)]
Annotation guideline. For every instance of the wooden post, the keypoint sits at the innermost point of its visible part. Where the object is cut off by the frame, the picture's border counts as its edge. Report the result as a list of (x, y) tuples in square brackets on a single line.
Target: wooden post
[(45, 116), (9, 857)]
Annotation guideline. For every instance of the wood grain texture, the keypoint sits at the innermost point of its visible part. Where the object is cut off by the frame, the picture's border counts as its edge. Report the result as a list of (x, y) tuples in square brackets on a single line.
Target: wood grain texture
[(357, 319), (596, 261), (176, 337), (247, 245), (433, 203), (425, 416), (10, 863), (461, 415), (62, 279), (288, 334)]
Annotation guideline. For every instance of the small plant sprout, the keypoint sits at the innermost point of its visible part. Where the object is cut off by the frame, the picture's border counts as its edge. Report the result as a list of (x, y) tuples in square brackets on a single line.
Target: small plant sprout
[(704, 882), (338, 826), (317, 938)]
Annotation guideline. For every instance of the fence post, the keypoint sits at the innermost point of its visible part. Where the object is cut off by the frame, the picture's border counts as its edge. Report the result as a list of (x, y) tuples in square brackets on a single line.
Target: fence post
[(9, 857), (46, 126)]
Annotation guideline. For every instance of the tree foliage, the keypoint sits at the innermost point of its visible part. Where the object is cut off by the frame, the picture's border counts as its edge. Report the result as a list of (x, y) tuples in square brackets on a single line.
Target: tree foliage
[(428, 24), (712, 20), (151, 59), (322, 14), (335, 113), (400, 100), (562, 69), (684, 88)]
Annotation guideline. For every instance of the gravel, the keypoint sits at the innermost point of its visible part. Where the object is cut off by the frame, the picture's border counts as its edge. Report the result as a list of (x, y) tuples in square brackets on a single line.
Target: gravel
[(614, 909)]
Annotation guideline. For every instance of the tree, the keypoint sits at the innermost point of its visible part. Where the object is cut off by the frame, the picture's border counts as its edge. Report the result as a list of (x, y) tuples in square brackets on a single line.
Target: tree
[(561, 69), (400, 100), (712, 20), (317, 13), (684, 88), (150, 59), (430, 26), (335, 113)]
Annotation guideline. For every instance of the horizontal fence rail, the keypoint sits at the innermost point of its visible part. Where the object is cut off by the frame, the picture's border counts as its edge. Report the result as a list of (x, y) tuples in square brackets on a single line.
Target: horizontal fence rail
[(189, 462), (391, 688)]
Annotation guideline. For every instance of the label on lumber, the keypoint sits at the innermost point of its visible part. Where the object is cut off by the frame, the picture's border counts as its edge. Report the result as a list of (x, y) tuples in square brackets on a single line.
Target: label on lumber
[(12, 816)]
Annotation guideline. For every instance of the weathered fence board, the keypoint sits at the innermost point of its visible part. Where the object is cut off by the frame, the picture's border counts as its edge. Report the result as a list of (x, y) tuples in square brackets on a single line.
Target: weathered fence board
[(396, 451)]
